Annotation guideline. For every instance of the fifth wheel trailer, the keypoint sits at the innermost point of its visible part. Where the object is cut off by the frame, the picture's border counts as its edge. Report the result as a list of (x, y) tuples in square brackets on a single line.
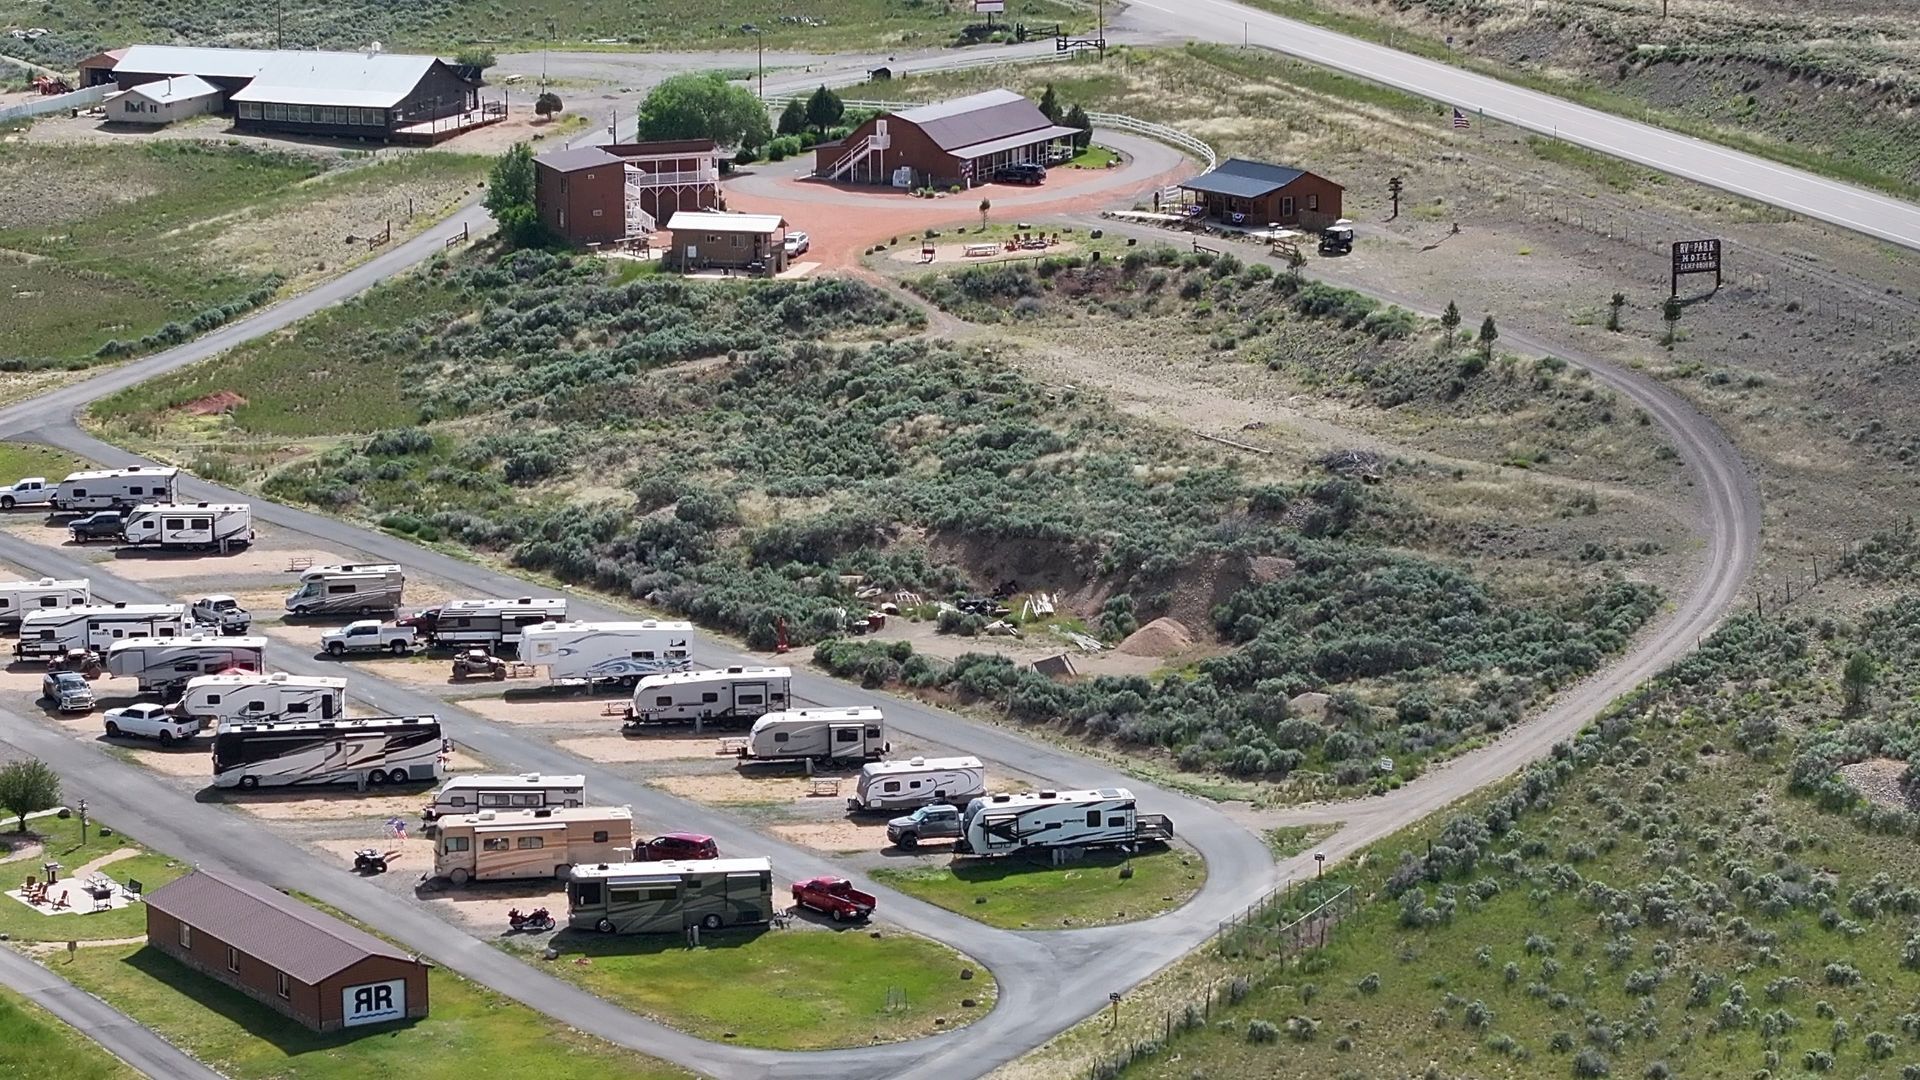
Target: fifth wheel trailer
[(903, 785), (827, 735), (499, 845), (54, 631), (17, 598), (259, 698), (115, 489), (348, 589), (489, 624), (669, 897), (1002, 824), (606, 652), (197, 527), (728, 695), (165, 665)]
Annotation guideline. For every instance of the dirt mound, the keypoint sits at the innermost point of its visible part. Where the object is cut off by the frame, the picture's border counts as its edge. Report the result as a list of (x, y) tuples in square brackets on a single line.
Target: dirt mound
[(1161, 637), (214, 403)]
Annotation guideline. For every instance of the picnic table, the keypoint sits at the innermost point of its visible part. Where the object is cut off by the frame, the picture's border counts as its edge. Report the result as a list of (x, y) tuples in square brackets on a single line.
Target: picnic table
[(979, 250)]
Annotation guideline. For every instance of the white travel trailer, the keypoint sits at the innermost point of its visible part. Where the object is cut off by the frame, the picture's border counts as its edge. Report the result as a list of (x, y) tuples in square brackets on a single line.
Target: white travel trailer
[(902, 785), (96, 626), (487, 623), (17, 598), (348, 589), (198, 526), (610, 651), (1002, 824), (526, 791), (498, 845), (369, 752), (114, 489), (826, 735), (257, 698), (729, 695), (164, 665)]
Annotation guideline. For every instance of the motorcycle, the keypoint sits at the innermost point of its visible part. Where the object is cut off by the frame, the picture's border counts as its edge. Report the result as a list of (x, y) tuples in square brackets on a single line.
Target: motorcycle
[(537, 919)]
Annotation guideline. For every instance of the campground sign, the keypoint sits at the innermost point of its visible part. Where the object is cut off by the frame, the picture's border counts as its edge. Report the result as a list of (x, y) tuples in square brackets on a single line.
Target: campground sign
[(1695, 257)]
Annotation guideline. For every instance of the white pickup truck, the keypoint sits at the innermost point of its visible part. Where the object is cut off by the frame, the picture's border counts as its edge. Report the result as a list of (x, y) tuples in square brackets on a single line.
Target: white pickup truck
[(221, 612), (150, 720), (33, 491), (370, 635)]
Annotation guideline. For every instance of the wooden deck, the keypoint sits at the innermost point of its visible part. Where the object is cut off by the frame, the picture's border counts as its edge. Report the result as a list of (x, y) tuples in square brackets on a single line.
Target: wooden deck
[(430, 132)]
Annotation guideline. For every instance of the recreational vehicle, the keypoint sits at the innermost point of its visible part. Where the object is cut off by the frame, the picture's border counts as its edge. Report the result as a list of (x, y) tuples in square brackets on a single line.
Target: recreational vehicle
[(163, 665), (370, 751), (903, 785), (349, 589), (17, 598), (496, 845), (600, 652), (734, 694), (826, 735), (526, 791), (487, 623), (1002, 824), (200, 526), (255, 698), (112, 489), (669, 897), (96, 626)]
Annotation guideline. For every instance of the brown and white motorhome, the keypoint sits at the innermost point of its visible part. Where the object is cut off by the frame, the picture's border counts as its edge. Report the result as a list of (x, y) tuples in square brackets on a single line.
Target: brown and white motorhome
[(547, 843)]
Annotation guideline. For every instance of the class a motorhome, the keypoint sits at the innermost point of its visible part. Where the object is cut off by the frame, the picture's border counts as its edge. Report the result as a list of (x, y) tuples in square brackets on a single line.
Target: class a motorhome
[(487, 623), (348, 589), (115, 489), (903, 785), (524, 791), (501, 845), (669, 897), (1003, 824), (608, 652), (165, 665), (826, 735), (54, 631), (729, 695), (17, 598), (259, 698), (198, 526), (369, 751)]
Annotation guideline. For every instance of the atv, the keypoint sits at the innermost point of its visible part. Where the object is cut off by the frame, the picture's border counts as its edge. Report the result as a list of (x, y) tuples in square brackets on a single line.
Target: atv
[(479, 663)]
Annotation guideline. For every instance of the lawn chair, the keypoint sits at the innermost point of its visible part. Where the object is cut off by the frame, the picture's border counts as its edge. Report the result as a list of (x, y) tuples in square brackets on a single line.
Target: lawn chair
[(60, 902), (134, 891)]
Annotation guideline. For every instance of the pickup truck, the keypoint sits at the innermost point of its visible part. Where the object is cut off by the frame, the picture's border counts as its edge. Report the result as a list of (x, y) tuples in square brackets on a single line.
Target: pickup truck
[(835, 897), (935, 821), (68, 690), (221, 612), (101, 525), (151, 720), (33, 491), (369, 635)]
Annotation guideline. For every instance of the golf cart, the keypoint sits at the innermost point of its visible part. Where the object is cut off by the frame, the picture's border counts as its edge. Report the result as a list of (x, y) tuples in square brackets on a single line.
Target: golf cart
[(1337, 239)]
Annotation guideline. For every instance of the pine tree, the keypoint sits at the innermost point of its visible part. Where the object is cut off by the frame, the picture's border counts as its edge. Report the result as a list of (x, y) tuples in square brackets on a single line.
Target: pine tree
[(1077, 118), (1671, 311), (1050, 105), (1450, 320), (824, 109), (1489, 334), (793, 118)]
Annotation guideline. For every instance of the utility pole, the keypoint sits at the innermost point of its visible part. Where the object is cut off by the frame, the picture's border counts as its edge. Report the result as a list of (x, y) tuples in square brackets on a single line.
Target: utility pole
[(544, 53), (279, 22), (1394, 188), (760, 66)]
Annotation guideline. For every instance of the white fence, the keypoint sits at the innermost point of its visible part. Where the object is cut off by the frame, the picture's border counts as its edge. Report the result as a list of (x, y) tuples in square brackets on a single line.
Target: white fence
[(79, 99)]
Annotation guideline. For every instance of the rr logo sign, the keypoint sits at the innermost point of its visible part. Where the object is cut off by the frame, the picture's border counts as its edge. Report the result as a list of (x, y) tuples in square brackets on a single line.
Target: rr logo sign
[(373, 1002)]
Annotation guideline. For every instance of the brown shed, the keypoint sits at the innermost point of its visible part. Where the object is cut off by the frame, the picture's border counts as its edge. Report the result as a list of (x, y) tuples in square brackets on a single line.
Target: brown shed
[(307, 964), (581, 195), (1256, 194), (963, 141), (710, 241)]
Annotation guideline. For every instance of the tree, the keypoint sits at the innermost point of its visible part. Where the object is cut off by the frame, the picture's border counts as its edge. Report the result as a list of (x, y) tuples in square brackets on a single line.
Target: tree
[(824, 109), (793, 118), (1077, 118), (985, 206), (704, 107), (510, 198), (28, 787), (1671, 311), (1450, 320), (1296, 259), (1050, 104), (1489, 334), (547, 104), (475, 56), (1613, 314), (1857, 679)]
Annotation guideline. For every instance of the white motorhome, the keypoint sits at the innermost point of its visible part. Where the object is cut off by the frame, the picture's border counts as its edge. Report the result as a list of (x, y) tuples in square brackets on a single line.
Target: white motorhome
[(196, 526), (902, 785), (258, 698), (163, 665), (17, 598), (370, 751), (114, 489), (526, 791), (1002, 824), (487, 623), (348, 589), (827, 735), (729, 695), (609, 651), (96, 626)]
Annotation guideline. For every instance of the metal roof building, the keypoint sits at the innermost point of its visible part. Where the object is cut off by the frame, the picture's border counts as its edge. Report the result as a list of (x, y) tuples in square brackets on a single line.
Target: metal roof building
[(963, 141), (1256, 193)]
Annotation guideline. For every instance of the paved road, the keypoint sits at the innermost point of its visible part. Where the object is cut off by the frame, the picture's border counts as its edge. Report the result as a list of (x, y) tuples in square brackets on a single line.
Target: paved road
[(119, 1033)]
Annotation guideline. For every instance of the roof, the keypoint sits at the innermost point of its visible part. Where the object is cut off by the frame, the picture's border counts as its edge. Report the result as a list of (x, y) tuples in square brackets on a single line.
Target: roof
[(175, 88), (568, 161), (976, 118), (715, 222), (494, 820), (1244, 179), (307, 944), (1013, 142), (681, 678), (290, 76), (916, 765), (839, 715), (672, 868), (664, 148)]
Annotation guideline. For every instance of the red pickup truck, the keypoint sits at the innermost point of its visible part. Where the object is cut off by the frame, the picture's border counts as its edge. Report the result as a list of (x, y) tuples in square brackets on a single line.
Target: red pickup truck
[(835, 897)]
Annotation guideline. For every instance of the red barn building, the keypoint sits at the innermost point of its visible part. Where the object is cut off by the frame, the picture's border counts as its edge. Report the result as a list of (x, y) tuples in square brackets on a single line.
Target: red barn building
[(963, 141), (1256, 194)]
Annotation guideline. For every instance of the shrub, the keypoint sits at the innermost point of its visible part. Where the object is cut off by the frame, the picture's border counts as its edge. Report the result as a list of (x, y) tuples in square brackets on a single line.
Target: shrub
[(1261, 1031), (1589, 1063)]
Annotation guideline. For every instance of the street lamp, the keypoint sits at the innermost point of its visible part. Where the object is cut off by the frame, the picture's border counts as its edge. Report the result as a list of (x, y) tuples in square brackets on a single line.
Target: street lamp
[(83, 820), (760, 66)]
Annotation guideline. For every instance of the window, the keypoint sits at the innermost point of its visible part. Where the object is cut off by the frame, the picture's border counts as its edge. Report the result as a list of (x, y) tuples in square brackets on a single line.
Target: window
[(49, 601), (495, 843), (249, 110), (1313, 202), (494, 798), (532, 798), (532, 843), (1118, 821), (664, 892), (563, 218), (663, 700), (749, 699), (176, 523), (890, 787), (846, 735), (339, 590), (233, 959), (600, 836), (623, 896), (643, 654), (589, 176), (186, 936), (597, 213), (298, 708), (282, 986), (214, 699), (587, 894), (710, 697), (1093, 819), (1286, 206), (779, 736), (457, 843)]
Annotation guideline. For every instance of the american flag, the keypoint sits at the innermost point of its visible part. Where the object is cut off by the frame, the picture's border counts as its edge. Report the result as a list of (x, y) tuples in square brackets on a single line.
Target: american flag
[(1460, 121), (397, 828)]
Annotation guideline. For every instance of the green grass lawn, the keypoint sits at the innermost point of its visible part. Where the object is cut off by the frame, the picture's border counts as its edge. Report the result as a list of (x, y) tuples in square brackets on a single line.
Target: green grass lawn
[(61, 837), (1094, 156), (1019, 894), (802, 989), (20, 460), (469, 1032), (34, 1043)]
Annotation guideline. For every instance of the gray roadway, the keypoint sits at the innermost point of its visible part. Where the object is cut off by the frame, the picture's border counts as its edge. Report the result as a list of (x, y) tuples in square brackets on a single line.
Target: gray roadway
[(120, 1034)]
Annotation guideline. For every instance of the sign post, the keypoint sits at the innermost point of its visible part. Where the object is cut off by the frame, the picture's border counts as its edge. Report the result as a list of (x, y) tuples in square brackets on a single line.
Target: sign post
[(1695, 257)]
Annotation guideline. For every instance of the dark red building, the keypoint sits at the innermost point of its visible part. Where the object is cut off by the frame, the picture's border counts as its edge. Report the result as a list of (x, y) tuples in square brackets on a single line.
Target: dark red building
[(307, 964), (667, 176), (1256, 194), (963, 141), (582, 195)]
